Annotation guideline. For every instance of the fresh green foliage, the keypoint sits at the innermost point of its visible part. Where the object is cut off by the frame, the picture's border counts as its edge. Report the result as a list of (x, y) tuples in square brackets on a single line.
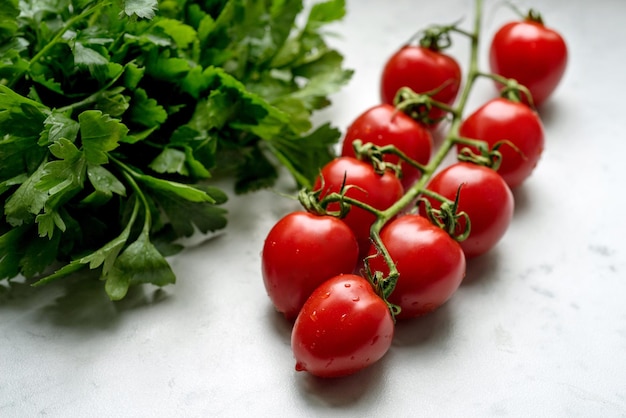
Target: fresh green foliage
[(116, 115)]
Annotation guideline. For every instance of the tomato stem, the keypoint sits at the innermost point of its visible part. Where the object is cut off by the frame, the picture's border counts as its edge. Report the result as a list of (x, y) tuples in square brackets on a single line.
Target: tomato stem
[(418, 106), (488, 157), (512, 90), (342, 199), (451, 139), (371, 151), (453, 133)]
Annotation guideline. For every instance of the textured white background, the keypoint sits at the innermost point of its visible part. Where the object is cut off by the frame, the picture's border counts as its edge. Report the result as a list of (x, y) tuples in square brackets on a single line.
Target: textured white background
[(537, 329)]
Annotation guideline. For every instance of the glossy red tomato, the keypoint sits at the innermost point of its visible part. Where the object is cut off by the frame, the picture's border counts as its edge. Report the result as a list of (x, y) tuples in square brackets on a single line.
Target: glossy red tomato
[(485, 197), (342, 328), (385, 125), (423, 70), (431, 264), (532, 54), (376, 190), (302, 251), (501, 119)]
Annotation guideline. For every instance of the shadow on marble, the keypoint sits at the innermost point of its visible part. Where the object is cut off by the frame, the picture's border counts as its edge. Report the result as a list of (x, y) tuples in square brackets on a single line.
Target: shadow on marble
[(483, 269), (344, 392), (78, 302)]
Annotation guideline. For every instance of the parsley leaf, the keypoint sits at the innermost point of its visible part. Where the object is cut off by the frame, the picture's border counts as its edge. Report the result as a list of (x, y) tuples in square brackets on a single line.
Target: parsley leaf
[(116, 116)]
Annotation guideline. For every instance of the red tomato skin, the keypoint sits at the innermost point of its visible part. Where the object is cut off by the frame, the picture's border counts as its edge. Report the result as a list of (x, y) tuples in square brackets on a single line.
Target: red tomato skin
[(500, 119), (378, 191), (342, 328), (532, 54), (385, 125), (301, 251), (485, 197), (423, 70), (430, 262)]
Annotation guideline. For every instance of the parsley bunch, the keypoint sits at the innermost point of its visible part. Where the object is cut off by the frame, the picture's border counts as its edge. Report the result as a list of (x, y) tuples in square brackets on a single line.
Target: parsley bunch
[(113, 115)]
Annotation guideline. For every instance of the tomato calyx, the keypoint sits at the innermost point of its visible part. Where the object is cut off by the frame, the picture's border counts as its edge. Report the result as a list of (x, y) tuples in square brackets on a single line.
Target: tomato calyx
[(447, 217), (418, 106), (311, 202), (486, 156), (375, 154), (383, 285), (437, 37), (534, 16), (511, 89), (531, 16)]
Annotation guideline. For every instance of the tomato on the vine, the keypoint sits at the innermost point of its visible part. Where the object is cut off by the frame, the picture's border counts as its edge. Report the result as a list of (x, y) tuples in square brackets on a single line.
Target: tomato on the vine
[(343, 327), (385, 125), (518, 126), (483, 195), (532, 54), (363, 183), (430, 262), (301, 251), (423, 70)]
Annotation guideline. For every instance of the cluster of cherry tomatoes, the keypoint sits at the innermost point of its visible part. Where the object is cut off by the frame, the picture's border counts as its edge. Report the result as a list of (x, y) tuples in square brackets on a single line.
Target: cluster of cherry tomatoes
[(386, 231)]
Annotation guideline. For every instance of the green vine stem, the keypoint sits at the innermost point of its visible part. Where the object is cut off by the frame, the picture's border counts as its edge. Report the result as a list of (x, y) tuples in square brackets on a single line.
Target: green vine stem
[(412, 194)]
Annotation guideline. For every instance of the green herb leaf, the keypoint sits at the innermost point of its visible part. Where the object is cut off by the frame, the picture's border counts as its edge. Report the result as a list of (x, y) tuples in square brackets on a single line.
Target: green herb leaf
[(99, 134), (9, 11), (204, 216), (12, 253), (56, 126), (140, 262), (140, 8), (146, 111), (114, 116)]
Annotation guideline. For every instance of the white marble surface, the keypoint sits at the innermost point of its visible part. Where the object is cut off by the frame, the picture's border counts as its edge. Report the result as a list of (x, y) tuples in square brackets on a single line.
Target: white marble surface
[(537, 329)]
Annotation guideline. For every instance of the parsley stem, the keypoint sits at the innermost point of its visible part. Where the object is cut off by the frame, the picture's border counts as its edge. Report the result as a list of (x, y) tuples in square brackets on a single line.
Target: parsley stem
[(130, 175)]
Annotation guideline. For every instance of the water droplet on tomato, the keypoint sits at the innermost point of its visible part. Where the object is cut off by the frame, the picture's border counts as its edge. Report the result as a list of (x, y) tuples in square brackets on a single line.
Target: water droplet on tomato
[(300, 367), (356, 299), (313, 316), (347, 284), (325, 295), (343, 317)]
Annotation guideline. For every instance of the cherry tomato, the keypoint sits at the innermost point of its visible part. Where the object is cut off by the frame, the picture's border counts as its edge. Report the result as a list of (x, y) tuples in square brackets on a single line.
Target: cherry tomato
[(484, 196), (431, 264), (423, 70), (385, 125), (501, 119), (302, 251), (342, 328), (377, 190), (532, 54)]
